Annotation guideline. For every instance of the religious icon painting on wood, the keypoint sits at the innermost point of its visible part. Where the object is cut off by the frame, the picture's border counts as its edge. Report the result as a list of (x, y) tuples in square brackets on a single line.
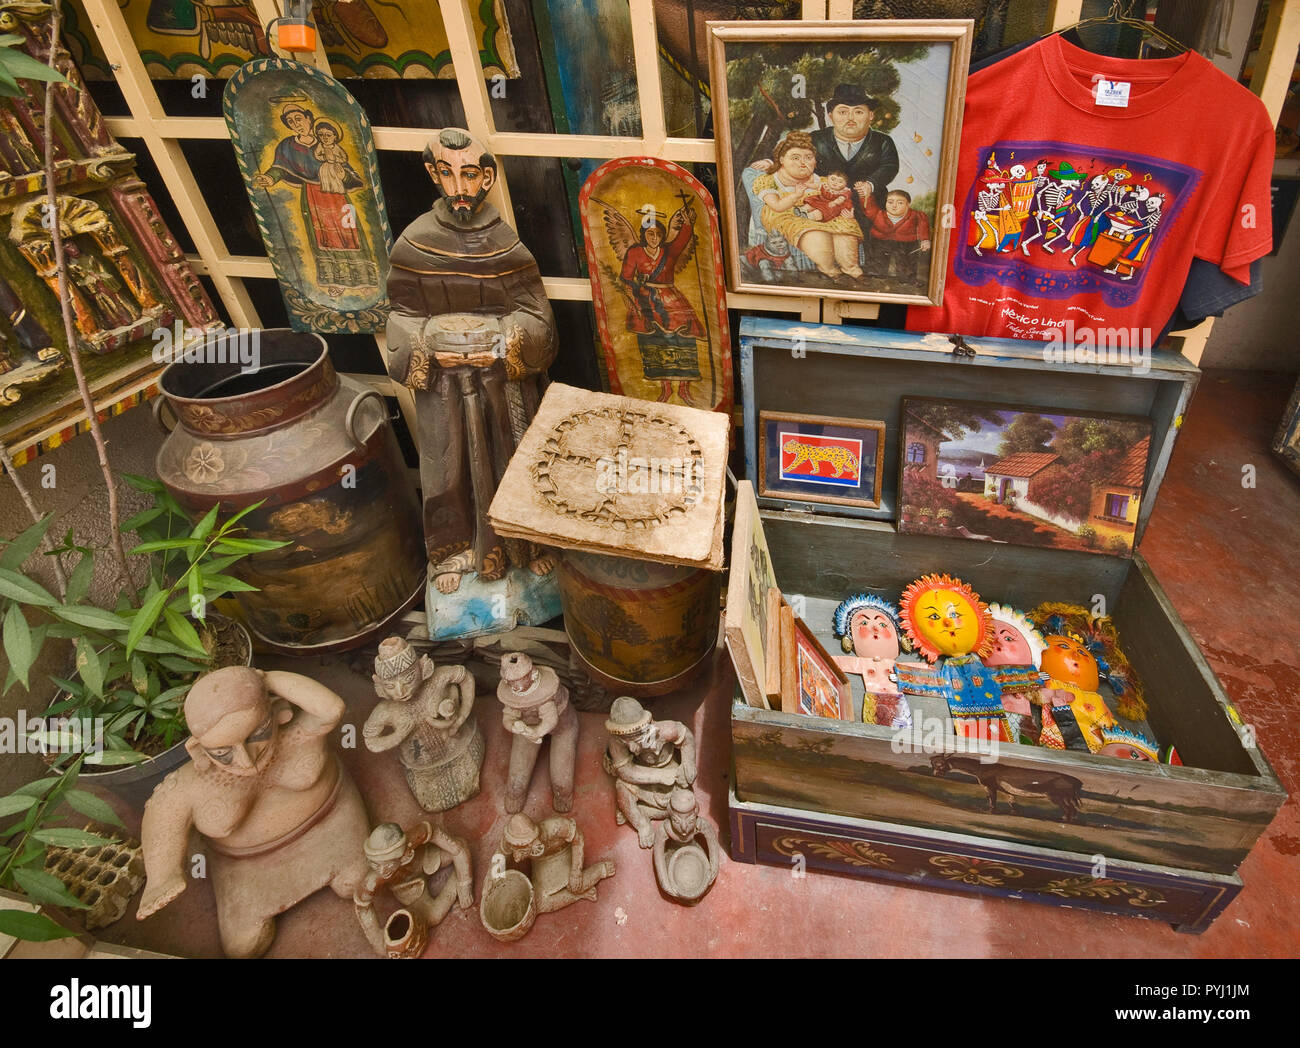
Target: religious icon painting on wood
[(308, 159), (654, 256)]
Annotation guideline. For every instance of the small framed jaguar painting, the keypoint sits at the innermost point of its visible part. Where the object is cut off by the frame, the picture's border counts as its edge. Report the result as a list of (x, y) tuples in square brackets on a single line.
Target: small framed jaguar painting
[(812, 458)]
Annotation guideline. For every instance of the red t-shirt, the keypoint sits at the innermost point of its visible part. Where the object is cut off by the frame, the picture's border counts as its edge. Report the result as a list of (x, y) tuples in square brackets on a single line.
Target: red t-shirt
[(1073, 215)]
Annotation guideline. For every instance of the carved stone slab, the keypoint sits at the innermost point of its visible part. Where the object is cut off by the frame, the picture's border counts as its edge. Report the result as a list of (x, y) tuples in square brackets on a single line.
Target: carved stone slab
[(609, 474), (308, 159)]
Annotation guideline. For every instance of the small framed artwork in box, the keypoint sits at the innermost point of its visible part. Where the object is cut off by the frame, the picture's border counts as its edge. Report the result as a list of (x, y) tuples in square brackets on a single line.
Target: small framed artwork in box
[(811, 683), (810, 458)]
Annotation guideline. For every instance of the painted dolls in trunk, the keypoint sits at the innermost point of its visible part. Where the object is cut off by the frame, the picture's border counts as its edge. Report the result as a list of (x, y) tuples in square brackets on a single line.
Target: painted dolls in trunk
[(869, 631), (1017, 645), (952, 629)]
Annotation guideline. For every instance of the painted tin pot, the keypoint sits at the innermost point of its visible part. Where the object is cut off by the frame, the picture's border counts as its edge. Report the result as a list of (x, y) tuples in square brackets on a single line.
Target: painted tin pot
[(639, 627), (318, 452)]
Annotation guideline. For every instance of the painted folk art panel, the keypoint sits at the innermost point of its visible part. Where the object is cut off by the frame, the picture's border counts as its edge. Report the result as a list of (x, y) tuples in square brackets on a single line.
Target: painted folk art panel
[(129, 285), (811, 458), (179, 39), (749, 581), (654, 256), (1034, 477), (308, 159)]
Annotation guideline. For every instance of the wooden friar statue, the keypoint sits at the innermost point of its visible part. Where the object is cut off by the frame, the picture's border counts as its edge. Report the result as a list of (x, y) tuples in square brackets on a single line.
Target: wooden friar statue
[(471, 334)]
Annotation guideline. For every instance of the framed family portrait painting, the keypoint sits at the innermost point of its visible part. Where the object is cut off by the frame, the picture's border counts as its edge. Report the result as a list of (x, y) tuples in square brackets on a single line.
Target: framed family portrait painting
[(837, 152)]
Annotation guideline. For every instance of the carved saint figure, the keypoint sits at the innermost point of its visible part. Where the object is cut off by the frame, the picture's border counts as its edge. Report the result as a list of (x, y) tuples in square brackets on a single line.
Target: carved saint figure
[(280, 815), (477, 379)]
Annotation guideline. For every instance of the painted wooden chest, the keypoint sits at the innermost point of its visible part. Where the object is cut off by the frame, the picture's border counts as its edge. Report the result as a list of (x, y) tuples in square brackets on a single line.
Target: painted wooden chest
[(1145, 839)]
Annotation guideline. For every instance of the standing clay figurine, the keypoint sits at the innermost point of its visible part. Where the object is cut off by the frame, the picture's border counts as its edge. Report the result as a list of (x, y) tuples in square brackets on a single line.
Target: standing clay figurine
[(553, 850), (685, 868), (402, 861), (869, 629), (535, 705), (648, 759), (471, 335), (426, 710), (279, 813)]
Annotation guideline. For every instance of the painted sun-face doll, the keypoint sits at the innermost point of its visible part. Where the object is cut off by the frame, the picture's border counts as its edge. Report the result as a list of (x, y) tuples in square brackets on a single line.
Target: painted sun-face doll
[(868, 628), (952, 629)]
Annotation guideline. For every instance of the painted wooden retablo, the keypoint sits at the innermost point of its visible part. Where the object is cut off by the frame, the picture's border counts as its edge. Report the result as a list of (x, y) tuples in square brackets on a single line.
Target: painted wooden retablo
[(308, 159), (129, 285), (631, 492), (655, 261)]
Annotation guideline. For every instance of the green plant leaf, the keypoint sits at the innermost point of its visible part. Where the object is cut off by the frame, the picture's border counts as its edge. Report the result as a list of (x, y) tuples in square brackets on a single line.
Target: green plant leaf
[(27, 68), (221, 584), (139, 676), (183, 631), (150, 485), (92, 806), (20, 588), (164, 544), (18, 644), (226, 527), (80, 579), (228, 545), (38, 788), (158, 646), (24, 544), (204, 527), (112, 758), (175, 664), (62, 837), (142, 518), (145, 619), (89, 668), (92, 618), (15, 803), (46, 889), (31, 927)]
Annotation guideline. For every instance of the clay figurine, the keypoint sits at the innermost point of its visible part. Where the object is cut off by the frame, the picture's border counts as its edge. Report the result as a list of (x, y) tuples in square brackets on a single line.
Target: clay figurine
[(648, 760), (952, 629), (685, 868), (535, 704), (471, 335), (402, 861), (553, 850), (869, 629), (279, 813), (426, 711)]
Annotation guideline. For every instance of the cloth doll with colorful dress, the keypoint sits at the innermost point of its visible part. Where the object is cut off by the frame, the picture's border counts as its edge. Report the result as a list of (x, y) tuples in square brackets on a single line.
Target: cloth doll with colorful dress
[(869, 632), (952, 629)]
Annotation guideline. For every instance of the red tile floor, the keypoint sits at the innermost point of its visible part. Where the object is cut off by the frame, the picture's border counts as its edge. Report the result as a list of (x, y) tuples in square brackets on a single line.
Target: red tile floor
[(1226, 553)]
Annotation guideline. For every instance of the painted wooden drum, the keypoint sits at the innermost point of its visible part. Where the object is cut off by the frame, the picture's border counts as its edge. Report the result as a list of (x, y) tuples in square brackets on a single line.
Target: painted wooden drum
[(639, 627), (275, 424)]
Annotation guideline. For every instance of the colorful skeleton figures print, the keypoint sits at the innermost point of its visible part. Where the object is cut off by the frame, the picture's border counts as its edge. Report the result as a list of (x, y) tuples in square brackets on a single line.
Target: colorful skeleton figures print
[(953, 630), (1058, 220)]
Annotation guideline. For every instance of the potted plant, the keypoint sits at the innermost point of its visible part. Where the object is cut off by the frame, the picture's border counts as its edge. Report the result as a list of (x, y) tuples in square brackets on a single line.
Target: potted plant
[(909, 512), (1087, 535), (925, 517), (944, 518), (134, 663)]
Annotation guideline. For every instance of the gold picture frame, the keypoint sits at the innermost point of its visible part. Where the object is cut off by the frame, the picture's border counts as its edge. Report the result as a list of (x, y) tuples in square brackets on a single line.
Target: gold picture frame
[(792, 229), (816, 474)]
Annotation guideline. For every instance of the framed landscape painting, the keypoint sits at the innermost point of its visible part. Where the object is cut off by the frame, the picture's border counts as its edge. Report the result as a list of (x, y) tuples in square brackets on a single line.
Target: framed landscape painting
[(1029, 476), (810, 458), (837, 153)]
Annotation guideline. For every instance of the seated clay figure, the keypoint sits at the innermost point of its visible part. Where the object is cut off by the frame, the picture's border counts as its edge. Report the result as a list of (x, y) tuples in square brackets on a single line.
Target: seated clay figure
[(535, 704), (648, 759), (553, 849), (280, 815), (685, 869), (426, 711), (402, 862)]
